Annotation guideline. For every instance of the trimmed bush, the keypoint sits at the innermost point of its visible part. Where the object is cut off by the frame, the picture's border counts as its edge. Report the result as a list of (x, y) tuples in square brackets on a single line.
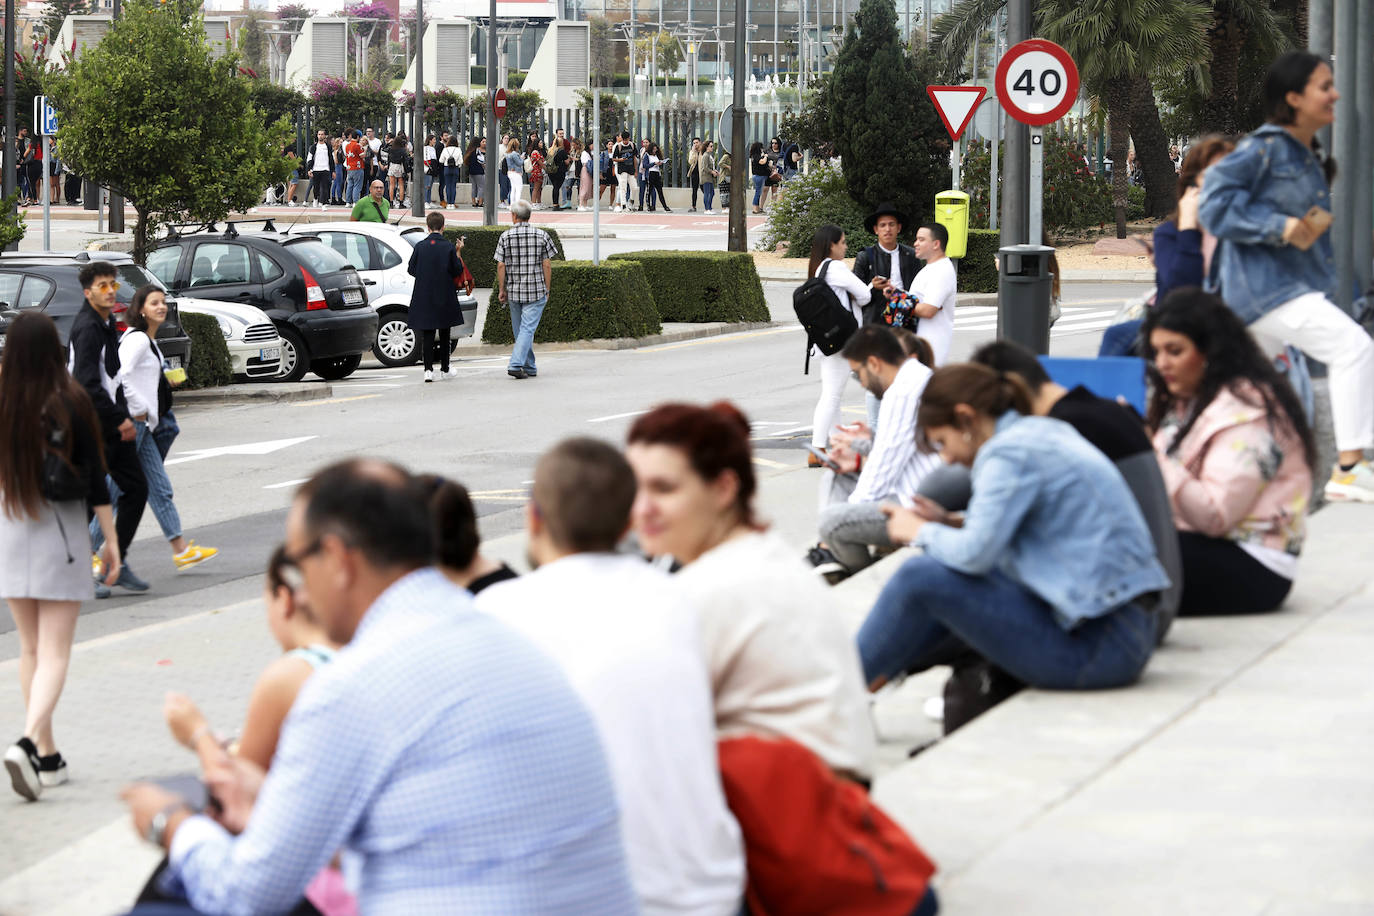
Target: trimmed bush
[(702, 285), (481, 245), (978, 266), (209, 365), (586, 302)]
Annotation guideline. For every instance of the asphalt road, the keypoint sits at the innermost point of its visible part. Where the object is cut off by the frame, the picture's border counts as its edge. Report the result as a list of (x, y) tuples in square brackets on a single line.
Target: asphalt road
[(235, 467)]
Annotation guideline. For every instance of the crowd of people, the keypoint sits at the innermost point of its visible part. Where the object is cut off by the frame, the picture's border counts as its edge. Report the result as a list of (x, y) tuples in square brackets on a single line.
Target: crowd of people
[(604, 736)]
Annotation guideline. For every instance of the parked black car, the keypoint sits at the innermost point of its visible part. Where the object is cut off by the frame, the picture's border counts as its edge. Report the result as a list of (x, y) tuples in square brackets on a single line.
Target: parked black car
[(49, 281), (314, 297)]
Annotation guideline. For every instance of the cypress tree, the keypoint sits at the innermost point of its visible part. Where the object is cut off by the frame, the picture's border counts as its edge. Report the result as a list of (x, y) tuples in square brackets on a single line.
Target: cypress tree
[(890, 139)]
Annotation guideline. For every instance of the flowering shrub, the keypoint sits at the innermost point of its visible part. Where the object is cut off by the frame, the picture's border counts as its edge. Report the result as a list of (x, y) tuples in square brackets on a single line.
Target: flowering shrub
[(340, 103), (806, 203), (438, 106)]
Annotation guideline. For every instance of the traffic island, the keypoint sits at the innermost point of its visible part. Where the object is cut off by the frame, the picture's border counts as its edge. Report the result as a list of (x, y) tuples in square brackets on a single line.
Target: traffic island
[(586, 302)]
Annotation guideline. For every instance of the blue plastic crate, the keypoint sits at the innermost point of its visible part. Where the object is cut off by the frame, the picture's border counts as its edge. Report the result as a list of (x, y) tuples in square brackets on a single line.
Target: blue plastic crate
[(1106, 376)]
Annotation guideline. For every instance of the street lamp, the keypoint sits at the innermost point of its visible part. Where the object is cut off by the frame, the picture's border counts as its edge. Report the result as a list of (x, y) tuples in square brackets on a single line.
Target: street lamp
[(9, 178)]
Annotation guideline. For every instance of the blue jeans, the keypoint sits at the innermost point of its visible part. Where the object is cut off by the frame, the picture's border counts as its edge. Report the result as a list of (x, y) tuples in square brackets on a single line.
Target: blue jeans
[(336, 189), (758, 187), (451, 173), (565, 197), (928, 613), (524, 321), (1121, 339), (152, 450), (355, 185), (429, 181), (708, 194), (504, 181)]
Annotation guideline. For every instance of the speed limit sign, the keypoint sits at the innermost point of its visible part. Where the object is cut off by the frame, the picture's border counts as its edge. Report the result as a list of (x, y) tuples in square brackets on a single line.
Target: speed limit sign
[(1037, 82)]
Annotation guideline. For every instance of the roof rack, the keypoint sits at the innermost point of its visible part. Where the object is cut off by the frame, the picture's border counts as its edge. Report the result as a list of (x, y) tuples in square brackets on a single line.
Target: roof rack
[(177, 230)]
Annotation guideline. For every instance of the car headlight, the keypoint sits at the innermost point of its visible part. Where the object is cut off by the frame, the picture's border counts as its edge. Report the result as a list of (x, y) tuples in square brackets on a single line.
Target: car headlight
[(225, 327)]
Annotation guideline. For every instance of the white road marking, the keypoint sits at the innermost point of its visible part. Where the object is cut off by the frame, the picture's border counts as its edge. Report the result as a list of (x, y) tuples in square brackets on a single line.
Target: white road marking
[(618, 416), (248, 448), (286, 483)]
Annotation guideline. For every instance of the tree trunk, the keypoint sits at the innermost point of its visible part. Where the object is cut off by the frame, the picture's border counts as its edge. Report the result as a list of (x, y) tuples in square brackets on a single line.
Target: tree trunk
[(1225, 38), (1118, 98), (1152, 150), (141, 237)]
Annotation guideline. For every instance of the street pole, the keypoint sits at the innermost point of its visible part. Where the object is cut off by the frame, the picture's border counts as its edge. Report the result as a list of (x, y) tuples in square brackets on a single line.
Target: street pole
[(47, 193), (739, 164), (10, 120), (493, 154), (417, 188), (116, 200), (596, 176), (1363, 242), (1034, 216), (996, 149), (1320, 38), (1016, 167), (1345, 138)]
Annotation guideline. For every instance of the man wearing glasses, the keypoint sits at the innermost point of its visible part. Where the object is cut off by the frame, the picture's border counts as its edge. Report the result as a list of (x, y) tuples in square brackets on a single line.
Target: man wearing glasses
[(93, 360)]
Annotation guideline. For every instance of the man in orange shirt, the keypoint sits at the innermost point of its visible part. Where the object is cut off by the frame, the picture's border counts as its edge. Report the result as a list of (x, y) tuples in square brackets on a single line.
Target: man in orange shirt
[(353, 162)]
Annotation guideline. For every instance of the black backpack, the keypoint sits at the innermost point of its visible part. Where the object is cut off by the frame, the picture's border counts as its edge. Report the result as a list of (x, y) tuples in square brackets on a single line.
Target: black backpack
[(829, 325)]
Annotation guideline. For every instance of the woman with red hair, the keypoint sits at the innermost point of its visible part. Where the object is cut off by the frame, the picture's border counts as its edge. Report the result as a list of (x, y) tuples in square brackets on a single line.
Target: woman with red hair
[(780, 660)]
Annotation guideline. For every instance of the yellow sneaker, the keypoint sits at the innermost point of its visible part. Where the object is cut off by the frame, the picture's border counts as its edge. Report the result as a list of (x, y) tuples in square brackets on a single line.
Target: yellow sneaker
[(1354, 485), (192, 555)]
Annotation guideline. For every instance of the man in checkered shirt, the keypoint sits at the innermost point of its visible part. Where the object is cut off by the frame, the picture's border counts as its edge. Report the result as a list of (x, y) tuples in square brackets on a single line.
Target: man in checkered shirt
[(524, 269)]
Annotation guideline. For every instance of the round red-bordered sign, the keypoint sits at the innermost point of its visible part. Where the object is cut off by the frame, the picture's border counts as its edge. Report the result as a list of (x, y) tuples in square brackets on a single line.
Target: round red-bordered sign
[(498, 103), (1037, 82)]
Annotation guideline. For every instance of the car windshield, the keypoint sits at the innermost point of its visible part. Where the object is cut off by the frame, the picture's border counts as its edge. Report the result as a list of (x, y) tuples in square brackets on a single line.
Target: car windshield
[(318, 256), (131, 277)]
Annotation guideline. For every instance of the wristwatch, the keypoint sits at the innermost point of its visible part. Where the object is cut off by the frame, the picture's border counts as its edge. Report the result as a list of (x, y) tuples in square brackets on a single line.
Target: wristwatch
[(157, 827)]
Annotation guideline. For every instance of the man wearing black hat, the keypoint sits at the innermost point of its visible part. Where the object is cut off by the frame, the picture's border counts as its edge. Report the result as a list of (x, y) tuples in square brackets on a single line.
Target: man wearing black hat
[(887, 263)]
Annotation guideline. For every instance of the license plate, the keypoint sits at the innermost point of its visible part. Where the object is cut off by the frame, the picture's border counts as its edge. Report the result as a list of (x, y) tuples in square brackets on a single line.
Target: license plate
[(174, 362), (269, 353), (352, 297)]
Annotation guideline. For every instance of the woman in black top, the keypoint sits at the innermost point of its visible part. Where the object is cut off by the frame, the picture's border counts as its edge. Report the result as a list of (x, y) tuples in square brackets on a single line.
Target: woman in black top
[(44, 575), (656, 161), (759, 170)]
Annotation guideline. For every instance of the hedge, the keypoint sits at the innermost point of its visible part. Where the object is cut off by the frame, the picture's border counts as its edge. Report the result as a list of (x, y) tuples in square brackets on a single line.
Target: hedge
[(702, 285), (978, 266), (586, 302), (209, 365), (481, 245)]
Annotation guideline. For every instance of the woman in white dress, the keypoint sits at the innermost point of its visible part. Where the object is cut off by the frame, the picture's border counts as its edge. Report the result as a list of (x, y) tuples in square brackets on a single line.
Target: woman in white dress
[(828, 251), (45, 573)]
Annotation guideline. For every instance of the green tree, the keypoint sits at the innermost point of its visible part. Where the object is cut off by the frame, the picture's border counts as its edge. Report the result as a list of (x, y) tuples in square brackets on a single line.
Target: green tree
[(810, 127), (11, 221), (55, 12), (603, 50), (612, 114), (274, 102), (885, 129), (151, 114), (252, 42), (298, 12), (669, 50)]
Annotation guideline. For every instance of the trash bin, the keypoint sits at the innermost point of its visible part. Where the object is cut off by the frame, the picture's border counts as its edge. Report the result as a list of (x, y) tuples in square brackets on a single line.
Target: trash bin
[(951, 211), (1023, 295), (90, 195)]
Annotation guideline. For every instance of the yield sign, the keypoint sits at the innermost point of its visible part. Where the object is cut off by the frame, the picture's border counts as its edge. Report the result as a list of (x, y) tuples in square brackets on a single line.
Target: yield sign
[(956, 105)]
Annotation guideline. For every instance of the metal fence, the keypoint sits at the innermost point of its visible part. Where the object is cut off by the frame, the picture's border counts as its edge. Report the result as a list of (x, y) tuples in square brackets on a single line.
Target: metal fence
[(671, 130)]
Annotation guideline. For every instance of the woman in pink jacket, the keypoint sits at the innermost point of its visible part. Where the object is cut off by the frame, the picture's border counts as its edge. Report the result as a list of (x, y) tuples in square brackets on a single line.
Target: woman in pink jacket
[(1236, 453)]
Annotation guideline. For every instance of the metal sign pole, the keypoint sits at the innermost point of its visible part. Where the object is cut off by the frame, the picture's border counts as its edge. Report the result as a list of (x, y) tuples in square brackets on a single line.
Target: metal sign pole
[(417, 168), (493, 141), (1037, 186), (958, 157), (595, 163), (996, 150), (47, 187)]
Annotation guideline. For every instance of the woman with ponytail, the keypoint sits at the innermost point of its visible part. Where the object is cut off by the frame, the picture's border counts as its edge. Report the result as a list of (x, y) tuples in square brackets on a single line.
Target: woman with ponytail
[(1269, 203), (780, 661), (1050, 574)]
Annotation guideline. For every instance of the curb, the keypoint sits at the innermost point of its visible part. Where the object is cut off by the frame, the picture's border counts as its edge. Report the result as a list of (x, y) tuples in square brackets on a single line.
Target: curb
[(256, 393), (1101, 276), (717, 329)]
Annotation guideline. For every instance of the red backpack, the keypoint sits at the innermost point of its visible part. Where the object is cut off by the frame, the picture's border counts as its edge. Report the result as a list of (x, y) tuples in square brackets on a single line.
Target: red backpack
[(813, 841)]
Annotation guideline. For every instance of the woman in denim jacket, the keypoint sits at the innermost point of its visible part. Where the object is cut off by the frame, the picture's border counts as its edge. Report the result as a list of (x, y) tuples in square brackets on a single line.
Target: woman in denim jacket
[(1050, 571), (1268, 203)]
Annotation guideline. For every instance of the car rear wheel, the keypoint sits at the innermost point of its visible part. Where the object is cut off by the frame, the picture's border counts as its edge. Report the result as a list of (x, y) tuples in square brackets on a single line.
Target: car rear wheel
[(336, 367), (294, 355), (395, 344)]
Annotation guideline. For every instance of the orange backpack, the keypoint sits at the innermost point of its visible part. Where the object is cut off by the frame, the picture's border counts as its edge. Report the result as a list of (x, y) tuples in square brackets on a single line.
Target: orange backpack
[(814, 842)]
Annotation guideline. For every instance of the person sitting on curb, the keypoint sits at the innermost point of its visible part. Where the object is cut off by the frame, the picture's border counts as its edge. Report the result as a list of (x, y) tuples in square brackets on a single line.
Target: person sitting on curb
[(1236, 453), (456, 539), (439, 746), (628, 641), (1050, 574), (780, 661), (852, 521)]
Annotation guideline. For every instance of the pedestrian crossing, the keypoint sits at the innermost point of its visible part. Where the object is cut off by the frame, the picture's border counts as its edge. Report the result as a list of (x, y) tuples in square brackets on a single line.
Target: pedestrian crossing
[(1075, 320)]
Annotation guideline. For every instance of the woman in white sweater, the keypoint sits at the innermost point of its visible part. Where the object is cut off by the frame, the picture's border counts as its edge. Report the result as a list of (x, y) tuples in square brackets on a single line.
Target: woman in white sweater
[(780, 660), (149, 396), (828, 251)]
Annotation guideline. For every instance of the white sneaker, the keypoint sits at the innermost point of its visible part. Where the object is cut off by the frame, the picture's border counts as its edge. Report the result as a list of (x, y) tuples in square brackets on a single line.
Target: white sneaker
[(710, 212), (429, 375), (451, 374), (583, 209), (1355, 485), (934, 709), (21, 760)]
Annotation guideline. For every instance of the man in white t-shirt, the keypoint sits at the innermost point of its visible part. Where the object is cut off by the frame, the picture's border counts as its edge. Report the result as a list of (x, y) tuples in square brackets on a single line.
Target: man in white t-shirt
[(934, 289), (629, 642), (321, 168)]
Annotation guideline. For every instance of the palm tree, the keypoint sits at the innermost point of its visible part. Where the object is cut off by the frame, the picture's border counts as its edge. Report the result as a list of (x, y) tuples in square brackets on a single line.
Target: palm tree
[(1116, 45)]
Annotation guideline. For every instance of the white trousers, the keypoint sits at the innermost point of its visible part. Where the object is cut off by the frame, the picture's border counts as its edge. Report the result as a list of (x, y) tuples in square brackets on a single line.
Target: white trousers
[(834, 372), (1319, 328), (516, 182), (623, 185)]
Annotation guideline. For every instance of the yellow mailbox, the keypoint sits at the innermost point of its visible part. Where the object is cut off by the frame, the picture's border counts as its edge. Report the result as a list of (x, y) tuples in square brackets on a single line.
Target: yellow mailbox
[(951, 211)]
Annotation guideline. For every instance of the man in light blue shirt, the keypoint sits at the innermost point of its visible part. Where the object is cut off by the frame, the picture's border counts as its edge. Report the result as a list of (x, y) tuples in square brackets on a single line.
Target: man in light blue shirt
[(442, 750)]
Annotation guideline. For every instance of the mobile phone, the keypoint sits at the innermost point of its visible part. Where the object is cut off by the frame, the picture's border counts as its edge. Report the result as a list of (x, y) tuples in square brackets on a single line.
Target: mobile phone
[(825, 459)]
